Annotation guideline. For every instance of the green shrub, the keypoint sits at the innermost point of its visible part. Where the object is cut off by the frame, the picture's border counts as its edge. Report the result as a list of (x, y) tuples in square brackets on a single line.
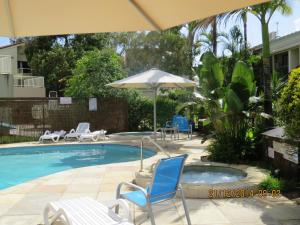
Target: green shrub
[(15, 139), (233, 116), (289, 103), (272, 183), (234, 147), (93, 72), (166, 108), (140, 113)]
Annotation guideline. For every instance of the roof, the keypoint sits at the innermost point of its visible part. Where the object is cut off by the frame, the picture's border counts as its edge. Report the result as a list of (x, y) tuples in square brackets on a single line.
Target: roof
[(11, 45), (277, 133), (282, 43)]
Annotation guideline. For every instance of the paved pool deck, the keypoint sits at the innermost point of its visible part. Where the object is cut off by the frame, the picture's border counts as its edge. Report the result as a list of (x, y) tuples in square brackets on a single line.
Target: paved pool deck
[(23, 204)]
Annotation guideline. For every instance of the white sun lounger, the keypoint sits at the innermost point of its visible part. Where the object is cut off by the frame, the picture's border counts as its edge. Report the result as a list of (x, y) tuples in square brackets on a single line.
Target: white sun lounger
[(52, 136), (87, 211), (82, 128), (94, 136)]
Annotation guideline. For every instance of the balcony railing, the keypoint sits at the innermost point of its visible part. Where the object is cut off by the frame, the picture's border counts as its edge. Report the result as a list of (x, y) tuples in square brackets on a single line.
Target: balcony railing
[(24, 71), (28, 81), (5, 64)]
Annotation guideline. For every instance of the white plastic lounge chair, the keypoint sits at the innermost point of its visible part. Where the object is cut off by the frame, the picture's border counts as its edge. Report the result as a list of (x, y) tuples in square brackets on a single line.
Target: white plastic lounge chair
[(86, 211), (82, 128), (94, 136), (55, 136)]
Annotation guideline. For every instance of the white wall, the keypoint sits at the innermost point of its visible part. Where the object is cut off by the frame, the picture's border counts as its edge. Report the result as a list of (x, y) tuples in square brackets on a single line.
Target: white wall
[(293, 58), (23, 92), (21, 53), (12, 51), (6, 86)]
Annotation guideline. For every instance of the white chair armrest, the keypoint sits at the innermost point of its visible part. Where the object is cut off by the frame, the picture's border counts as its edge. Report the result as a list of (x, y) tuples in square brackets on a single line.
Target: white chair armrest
[(72, 131), (133, 186), (124, 205)]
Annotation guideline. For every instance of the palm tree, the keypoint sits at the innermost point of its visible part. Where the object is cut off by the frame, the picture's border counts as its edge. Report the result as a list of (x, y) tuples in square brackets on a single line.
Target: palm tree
[(210, 40), (193, 29), (213, 36), (200, 25), (244, 18), (233, 41), (264, 13), (239, 15)]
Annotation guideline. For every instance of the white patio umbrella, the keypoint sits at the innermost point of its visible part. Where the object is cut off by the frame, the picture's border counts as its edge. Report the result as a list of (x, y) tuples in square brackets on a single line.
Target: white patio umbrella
[(49, 17), (153, 79)]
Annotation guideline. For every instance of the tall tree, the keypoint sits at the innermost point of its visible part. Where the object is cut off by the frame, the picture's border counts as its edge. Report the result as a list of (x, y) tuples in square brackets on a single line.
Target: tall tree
[(82, 43), (93, 71), (193, 45), (233, 41), (239, 15), (209, 40), (55, 65), (213, 23), (165, 50), (244, 18), (264, 13)]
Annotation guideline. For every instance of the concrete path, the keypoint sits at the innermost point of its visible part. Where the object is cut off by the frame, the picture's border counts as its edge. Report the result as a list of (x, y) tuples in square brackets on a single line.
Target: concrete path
[(23, 204)]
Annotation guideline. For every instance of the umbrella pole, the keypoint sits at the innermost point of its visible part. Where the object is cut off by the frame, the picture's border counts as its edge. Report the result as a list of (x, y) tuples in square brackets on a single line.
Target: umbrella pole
[(154, 113)]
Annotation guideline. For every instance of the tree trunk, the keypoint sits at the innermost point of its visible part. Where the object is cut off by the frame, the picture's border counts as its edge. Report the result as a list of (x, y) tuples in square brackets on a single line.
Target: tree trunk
[(267, 72), (190, 48), (214, 35), (245, 30)]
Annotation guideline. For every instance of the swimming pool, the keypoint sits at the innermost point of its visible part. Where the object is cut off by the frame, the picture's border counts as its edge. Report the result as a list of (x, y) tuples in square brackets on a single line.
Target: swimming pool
[(21, 164), (211, 174)]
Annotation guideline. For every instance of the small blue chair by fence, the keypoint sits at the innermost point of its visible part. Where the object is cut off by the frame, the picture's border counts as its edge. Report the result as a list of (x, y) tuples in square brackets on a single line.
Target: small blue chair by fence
[(183, 125), (164, 186)]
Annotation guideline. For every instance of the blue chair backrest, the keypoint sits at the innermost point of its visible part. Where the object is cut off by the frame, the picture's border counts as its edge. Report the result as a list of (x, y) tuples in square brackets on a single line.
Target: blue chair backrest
[(181, 122), (166, 178)]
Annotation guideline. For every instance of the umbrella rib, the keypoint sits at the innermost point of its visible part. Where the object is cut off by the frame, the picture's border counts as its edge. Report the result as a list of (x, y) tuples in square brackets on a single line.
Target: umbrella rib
[(145, 15), (10, 18)]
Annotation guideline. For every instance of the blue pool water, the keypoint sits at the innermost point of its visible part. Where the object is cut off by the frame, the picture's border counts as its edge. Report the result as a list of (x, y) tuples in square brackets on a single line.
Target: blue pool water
[(21, 164)]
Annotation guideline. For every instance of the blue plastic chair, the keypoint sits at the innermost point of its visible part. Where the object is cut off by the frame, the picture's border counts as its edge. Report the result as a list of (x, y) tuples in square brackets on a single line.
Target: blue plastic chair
[(183, 125), (165, 183)]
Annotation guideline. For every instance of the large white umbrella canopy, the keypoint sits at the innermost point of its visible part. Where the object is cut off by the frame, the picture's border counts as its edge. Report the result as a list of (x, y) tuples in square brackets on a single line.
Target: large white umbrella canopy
[(153, 79), (51, 17)]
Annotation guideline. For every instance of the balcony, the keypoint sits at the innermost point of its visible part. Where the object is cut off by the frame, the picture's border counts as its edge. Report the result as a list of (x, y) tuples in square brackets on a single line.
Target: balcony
[(5, 64), (28, 86), (28, 81)]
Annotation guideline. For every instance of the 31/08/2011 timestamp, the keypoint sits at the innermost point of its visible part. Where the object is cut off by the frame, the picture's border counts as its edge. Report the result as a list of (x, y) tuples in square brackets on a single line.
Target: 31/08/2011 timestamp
[(242, 193)]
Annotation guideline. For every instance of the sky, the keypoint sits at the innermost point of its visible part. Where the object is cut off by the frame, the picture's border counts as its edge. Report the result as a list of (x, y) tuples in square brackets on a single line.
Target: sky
[(286, 25)]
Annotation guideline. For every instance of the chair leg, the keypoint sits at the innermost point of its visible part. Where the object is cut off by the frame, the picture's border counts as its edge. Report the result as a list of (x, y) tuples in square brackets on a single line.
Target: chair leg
[(187, 215), (118, 196), (46, 216), (150, 213)]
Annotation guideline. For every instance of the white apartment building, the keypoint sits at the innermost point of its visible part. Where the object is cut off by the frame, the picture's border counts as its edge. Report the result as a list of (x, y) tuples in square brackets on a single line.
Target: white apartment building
[(285, 52), (16, 80)]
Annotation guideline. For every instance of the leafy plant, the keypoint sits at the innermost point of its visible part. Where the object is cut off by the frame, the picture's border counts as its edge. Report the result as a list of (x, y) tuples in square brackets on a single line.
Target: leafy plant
[(289, 111), (141, 111), (15, 139), (230, 111), (272, 183), (264, 12), (92, 72)]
